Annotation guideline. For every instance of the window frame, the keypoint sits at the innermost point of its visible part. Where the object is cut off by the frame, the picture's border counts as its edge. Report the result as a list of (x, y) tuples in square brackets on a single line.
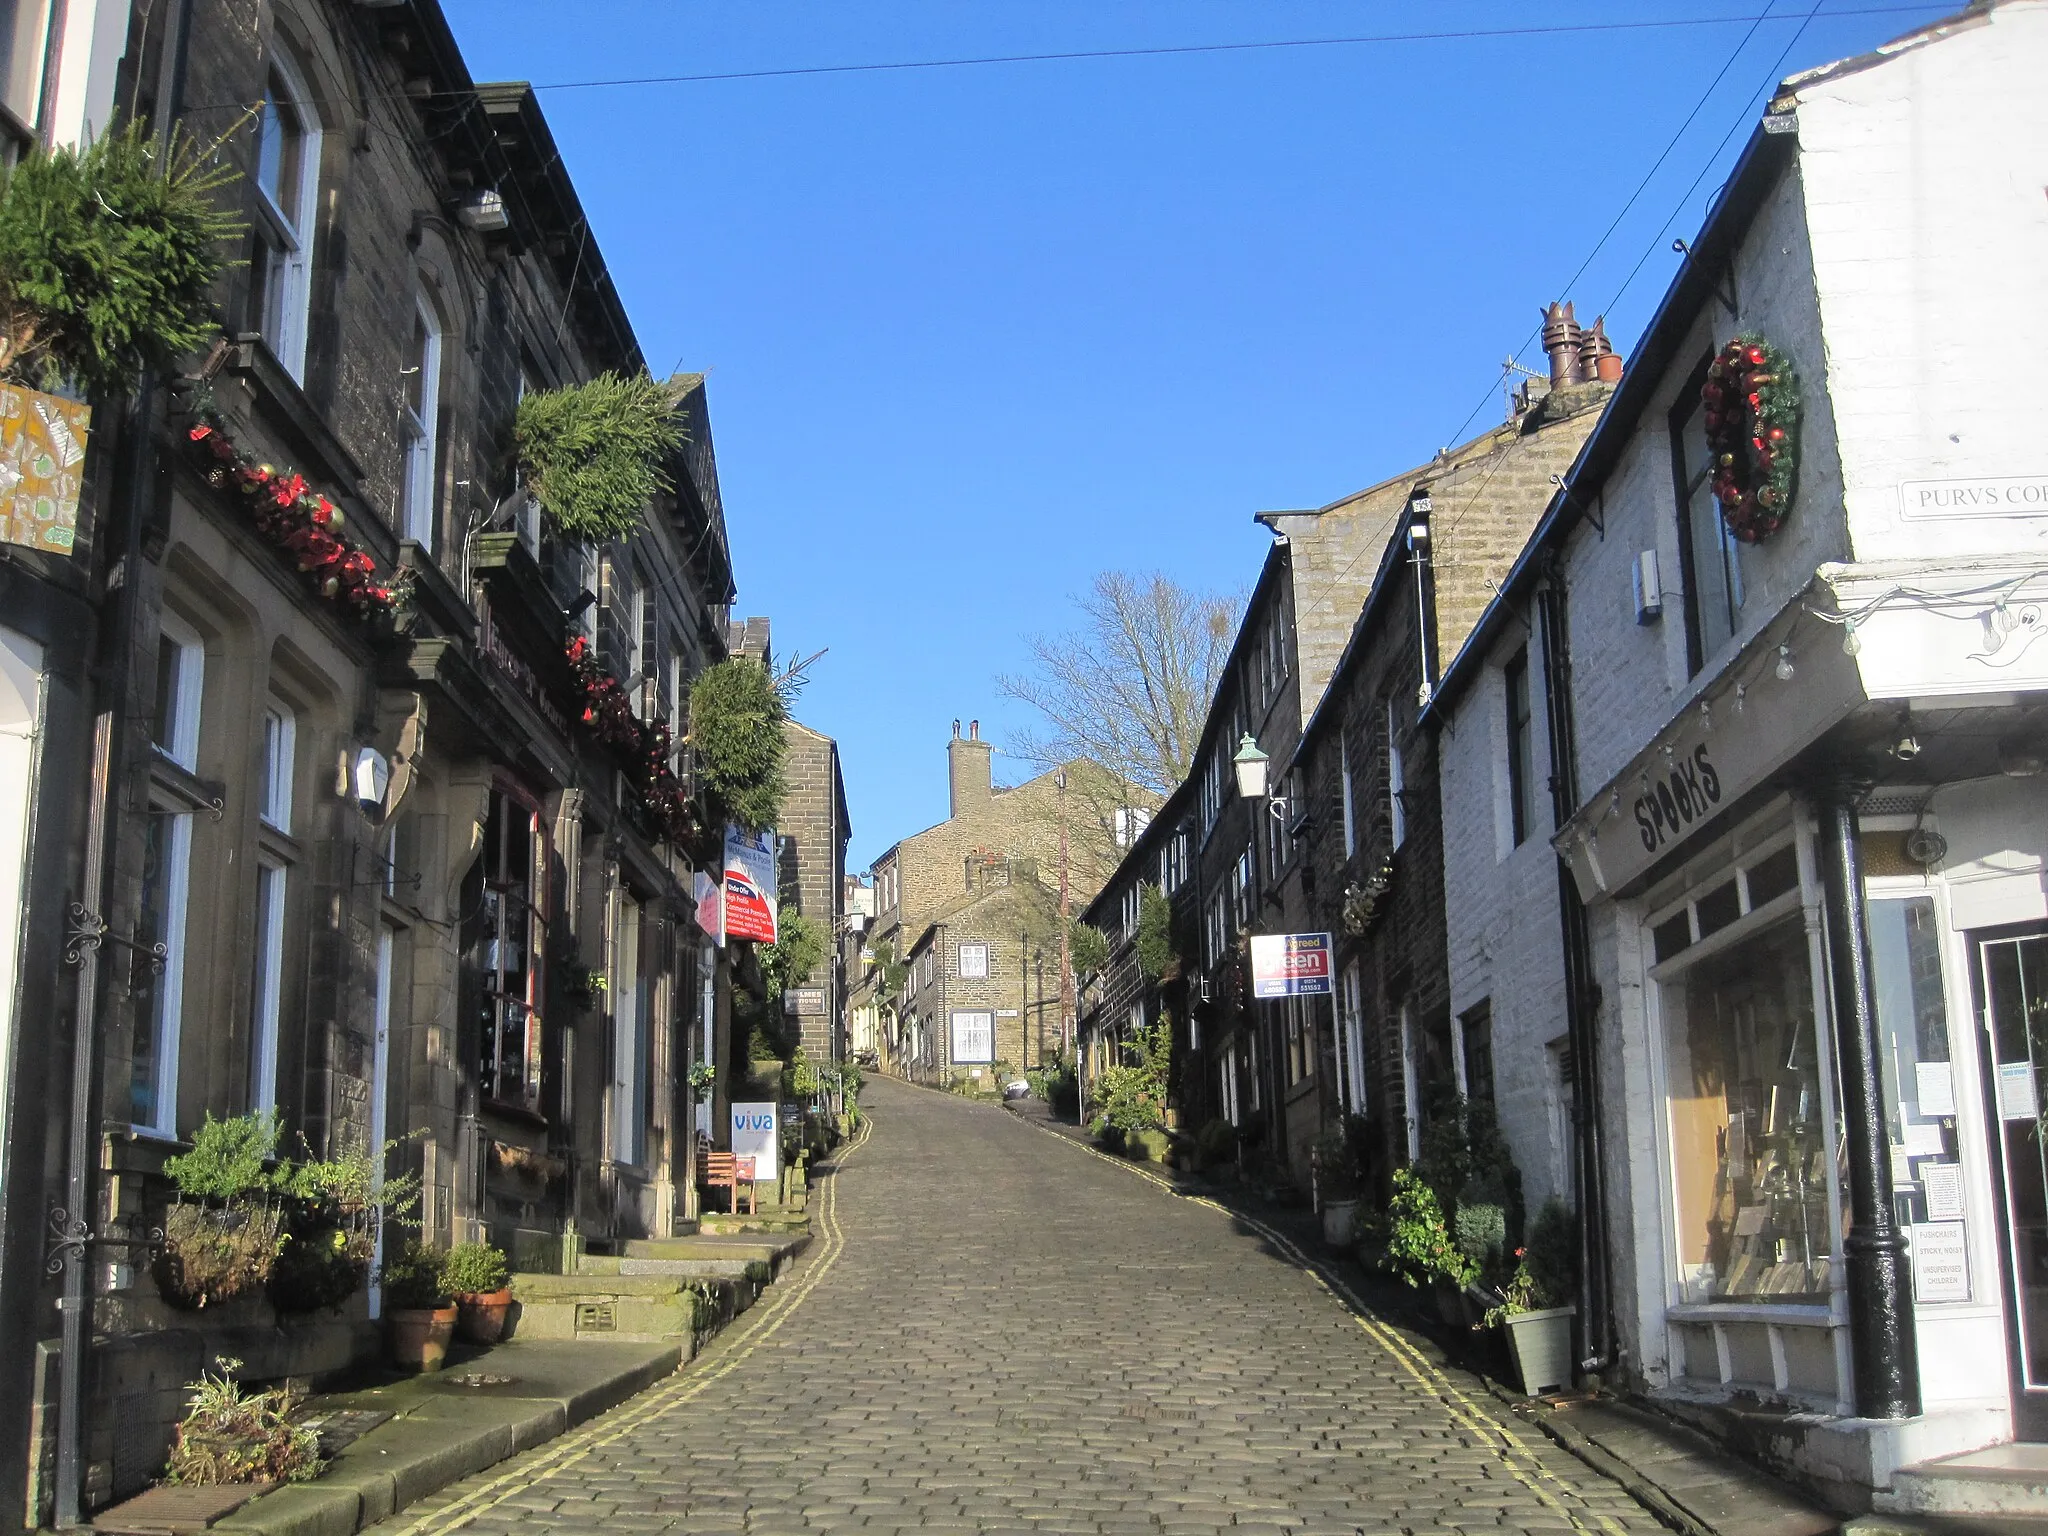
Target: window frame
[(1520, 716), (421, 429), (266, 992), (284, 290), (1397, 779), (280, 763), (1686, 489)]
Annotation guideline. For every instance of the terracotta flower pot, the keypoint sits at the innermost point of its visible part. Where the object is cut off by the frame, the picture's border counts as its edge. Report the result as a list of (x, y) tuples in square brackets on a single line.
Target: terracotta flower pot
[(418, 1337), (480, 1315)]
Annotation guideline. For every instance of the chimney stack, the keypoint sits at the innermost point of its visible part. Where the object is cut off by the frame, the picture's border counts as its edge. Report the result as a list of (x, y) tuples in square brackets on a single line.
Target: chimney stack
[(970, 773), (1561, 341), (1596, 355)]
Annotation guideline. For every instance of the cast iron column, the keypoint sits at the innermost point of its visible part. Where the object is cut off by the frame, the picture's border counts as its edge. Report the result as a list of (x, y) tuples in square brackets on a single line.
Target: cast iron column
[(1881, 1335)]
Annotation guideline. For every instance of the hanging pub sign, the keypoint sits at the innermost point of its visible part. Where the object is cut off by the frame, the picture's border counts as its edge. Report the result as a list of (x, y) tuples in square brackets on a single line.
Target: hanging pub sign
[(749, 884), (42, 467), (1290, 964)]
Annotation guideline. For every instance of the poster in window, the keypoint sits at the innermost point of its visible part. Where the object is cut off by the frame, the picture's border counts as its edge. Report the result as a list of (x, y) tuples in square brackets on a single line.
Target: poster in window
[(42, 462), (1941, 1261), (974, 962), (974, 1038), (750, 884)]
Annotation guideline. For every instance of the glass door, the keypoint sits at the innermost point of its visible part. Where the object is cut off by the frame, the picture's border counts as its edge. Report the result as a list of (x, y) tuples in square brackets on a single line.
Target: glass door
[(2014, 971)]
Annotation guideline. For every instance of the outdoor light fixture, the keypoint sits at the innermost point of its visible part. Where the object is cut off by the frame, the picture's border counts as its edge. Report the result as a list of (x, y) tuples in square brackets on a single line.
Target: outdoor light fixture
[(369, 776), (483, 210), (1251, 765)]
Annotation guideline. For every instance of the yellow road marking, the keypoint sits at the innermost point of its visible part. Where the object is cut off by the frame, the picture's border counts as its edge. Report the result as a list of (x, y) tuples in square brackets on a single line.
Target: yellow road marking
[(1520, 1462), (570, 1449)]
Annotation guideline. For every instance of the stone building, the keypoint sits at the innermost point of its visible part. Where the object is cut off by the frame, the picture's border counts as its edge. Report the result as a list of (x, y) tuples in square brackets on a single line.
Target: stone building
[(1793, 737), (977, 1001), (1062, 826), (815, 829), (368, 870)]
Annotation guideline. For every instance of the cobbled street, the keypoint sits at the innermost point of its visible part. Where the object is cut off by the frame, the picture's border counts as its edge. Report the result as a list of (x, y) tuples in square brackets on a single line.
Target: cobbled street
[(997, 1331)]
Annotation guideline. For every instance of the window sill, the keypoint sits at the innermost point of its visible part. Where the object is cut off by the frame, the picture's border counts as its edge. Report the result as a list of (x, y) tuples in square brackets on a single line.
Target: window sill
[(1791, 1314), (286, 407), (515, 1112)]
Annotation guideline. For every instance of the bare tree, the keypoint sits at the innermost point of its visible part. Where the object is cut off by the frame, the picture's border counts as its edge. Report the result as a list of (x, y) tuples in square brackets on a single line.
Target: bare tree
[(1129, 686)]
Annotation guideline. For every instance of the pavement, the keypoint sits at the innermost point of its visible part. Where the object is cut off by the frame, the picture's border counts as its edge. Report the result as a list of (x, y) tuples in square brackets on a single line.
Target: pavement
[(1000, 1331)]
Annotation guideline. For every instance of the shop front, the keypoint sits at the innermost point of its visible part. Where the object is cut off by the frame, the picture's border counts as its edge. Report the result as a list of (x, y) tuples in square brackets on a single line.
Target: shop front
[(1821, 897)]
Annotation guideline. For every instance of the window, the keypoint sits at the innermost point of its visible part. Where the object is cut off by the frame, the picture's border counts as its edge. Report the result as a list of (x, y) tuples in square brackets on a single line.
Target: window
[(420, 427), (1353, 1039), (180, 671), (1173, 862), (1475, 1054), (1710, 557), (287, 200), (157, 997), (279, 740), (1300, 1040), (974, 962), (266, 994), (1752, 1172), (1912, 1030), (504, 941), (1397, 781), (24, 46), (1216, 930), (1131, 905), (1212, 789), (1241, 879), (1521, 769), (1344, 794), (629, 1042)]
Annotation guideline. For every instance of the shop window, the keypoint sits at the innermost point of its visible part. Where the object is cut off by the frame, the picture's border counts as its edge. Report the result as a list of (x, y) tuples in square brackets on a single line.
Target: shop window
[(504, 941), (1747, 890), (420, 426), (287, 202), (1918, 1077), (1754, 1183)]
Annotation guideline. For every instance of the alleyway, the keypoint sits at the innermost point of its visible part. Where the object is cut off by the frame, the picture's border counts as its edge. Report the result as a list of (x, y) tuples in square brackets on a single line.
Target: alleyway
[(999, 1332)]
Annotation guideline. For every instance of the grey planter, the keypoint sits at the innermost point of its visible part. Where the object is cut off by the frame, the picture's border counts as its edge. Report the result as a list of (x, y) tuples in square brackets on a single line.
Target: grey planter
[(1340, 1222), (1543, 1348)]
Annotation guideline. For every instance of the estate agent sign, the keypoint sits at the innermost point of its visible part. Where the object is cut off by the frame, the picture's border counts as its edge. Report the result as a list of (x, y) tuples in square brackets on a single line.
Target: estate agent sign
[(1290, 964), (754, 1134)]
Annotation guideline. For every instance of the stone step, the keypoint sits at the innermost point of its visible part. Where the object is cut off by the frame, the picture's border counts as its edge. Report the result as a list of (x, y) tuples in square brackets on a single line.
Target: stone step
[(715, 1223), (761, 1271), (778, 1248), (658, 1308), (2000, 1480)]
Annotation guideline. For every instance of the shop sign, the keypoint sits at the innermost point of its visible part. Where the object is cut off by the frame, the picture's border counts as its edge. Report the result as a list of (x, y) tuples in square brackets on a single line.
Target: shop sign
[(1941, 1261), (749, 884), (1996, 496), (42, 468), (515, 671), (806, 1002), (974, 1037), (1723, 745), (1290, 964), (755, 1135)]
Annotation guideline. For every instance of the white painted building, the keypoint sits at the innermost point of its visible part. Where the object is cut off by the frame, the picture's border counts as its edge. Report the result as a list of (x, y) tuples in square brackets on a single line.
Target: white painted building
[(1819, 1179)]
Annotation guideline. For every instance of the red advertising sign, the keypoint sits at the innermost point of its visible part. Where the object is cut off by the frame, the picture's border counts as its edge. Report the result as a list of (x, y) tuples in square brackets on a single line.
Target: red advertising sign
[(750, 884), (1290, 964)]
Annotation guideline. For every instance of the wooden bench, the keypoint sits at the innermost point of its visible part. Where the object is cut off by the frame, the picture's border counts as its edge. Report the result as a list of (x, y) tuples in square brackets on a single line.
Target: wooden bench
[(724, 1171)]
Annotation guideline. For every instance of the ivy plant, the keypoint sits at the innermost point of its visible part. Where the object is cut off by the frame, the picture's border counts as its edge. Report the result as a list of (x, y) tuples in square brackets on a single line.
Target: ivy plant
[(593, 455), (1087, 948), (797, 952), (107, 259), (736, 718)]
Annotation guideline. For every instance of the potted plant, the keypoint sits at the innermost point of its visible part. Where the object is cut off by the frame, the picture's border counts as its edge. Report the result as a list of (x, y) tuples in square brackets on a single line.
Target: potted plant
[(419, 1317), (1421, 1248), (335, 1207), (479, 1277), (228, 1436), (1337, 1186), (223, 1233), (1535, 1304)]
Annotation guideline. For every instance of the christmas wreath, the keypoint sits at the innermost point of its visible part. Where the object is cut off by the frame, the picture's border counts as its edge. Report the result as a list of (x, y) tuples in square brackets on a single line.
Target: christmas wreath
[(641, 749), (1751, 411)]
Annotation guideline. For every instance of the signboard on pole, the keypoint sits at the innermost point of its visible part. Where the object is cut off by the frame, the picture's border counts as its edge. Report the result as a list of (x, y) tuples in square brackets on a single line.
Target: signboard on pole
[(1291, 965), (755, 1135), (710, 907), (750, 884)]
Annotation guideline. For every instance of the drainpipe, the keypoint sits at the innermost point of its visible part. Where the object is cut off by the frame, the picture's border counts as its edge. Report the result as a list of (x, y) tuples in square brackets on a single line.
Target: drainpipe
[(1883, 1347), (1581, 990)]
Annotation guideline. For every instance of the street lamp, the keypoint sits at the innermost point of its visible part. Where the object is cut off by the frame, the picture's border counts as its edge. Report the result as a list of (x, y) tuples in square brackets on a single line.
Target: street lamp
[(1251, 766)]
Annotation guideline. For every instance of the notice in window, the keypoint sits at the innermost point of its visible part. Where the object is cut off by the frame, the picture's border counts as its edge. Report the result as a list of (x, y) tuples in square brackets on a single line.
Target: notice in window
[(1943, 1183), (1941, 1261), (2016, 1098), (1936, 1084)]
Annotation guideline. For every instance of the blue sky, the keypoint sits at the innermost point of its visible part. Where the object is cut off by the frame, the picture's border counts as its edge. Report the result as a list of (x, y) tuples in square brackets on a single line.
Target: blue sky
[(975, 334)]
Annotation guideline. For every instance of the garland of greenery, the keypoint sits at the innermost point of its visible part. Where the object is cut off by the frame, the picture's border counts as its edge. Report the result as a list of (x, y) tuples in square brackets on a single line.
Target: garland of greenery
[(294, 517), (1751, 413), (736, 719), (593, 454), (107, 259), (642, 750)]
